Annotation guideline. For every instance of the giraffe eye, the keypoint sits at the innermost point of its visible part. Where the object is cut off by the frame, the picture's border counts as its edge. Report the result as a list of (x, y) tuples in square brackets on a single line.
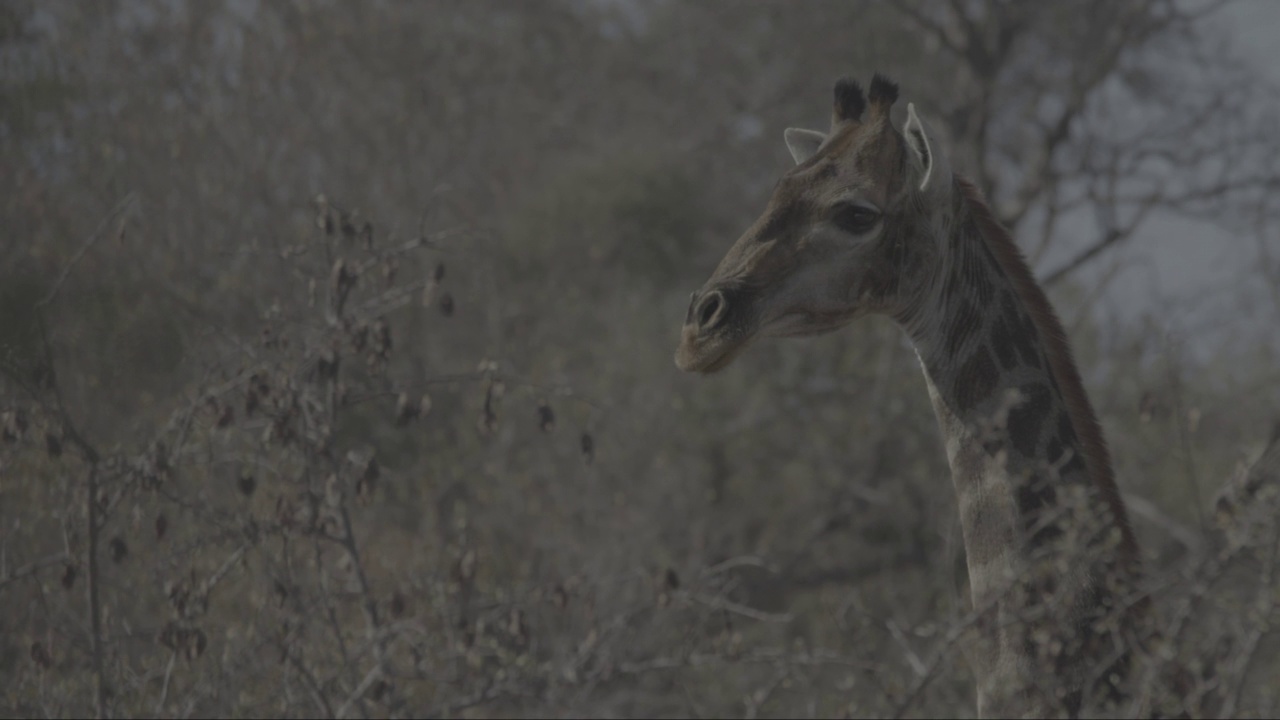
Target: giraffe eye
[(855, 219)]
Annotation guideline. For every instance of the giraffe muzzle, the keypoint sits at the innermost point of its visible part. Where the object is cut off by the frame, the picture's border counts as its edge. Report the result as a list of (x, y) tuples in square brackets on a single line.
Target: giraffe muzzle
[(714, 330)]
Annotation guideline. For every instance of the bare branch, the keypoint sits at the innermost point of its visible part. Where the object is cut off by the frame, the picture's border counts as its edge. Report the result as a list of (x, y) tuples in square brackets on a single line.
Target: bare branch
[(84, 248)]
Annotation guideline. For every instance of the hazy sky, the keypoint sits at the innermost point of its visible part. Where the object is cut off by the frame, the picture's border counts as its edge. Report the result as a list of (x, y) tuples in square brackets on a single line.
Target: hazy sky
[(1192, 275), (1257, 22)]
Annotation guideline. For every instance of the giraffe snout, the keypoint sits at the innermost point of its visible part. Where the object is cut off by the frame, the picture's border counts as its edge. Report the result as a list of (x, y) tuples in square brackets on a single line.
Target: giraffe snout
[(716, 328)]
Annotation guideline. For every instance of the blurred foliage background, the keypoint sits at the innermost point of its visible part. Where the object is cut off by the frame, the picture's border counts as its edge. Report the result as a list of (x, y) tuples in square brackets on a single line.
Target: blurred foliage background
[(336, 343)]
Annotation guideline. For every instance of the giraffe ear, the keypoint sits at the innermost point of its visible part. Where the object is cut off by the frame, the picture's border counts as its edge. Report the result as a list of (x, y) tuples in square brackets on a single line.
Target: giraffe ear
[(803, 143), (918, 141)]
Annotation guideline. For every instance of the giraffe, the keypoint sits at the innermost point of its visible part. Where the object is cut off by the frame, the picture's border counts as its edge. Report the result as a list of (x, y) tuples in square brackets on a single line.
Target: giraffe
[(872, 220)]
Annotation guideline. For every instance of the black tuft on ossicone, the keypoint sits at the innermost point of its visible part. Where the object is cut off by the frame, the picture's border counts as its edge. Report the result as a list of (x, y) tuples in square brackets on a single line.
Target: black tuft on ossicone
[(849, 101), (884, 92)]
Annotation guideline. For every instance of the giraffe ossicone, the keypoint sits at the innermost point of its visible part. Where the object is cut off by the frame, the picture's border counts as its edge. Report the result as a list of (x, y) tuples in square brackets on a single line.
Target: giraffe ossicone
[(871, 220)]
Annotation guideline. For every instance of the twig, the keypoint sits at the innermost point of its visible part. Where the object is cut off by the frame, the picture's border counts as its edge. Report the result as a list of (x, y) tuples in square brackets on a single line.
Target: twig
[(1184, 440), (32, 568), (740, 561), (720, 603), (1147, 510), (164, 691), (761, 695), (84, 248), (95, 614), (374, 673), (313, 687), (917, 665), (1112, 236), (952, 636)]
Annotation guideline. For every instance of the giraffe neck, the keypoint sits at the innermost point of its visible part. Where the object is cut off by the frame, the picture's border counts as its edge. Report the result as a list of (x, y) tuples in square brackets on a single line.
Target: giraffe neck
[(1030, 469)]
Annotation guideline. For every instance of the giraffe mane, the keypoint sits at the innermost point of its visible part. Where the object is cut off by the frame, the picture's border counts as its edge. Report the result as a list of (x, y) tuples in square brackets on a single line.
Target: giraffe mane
[(1097, 458)]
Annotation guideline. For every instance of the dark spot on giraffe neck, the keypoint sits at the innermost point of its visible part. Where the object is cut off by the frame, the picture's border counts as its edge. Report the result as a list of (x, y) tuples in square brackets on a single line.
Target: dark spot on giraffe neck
[(975, 381), (988, 257), (1066, 431), (1026, 342), (1022, 330), (1002, 343), (977, 273), (963, 323), (1053, 451), (1026, 420), (1061, 442), (993, 445), (1075, 467), (952, 286)]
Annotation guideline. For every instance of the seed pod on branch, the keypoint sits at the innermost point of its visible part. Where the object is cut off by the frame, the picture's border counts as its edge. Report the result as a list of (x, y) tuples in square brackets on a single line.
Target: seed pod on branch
[(40, 656), (13, 424), (324, 215), (327, 364), (397, 605), (359, 336), (405, 410), (342, 279), (378, 690), (488, 418), (464, 570), (546, 417), (169, 635), (225, 417), (382, 338), (195, 643), (333, 491), (518, 628), (671, 580), (246, 484), (368, 481), (118, 549)]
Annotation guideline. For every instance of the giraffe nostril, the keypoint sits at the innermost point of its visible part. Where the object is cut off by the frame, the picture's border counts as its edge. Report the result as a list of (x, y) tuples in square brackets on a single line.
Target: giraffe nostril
[(710, 310)]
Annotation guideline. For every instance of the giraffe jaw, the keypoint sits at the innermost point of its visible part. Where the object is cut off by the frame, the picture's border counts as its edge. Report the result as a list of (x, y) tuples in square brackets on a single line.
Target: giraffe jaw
[(803, 323), (706, 354)]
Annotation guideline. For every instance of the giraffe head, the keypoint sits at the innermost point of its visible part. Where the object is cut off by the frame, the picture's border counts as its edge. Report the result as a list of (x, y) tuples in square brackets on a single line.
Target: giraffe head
[(853, 228)]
